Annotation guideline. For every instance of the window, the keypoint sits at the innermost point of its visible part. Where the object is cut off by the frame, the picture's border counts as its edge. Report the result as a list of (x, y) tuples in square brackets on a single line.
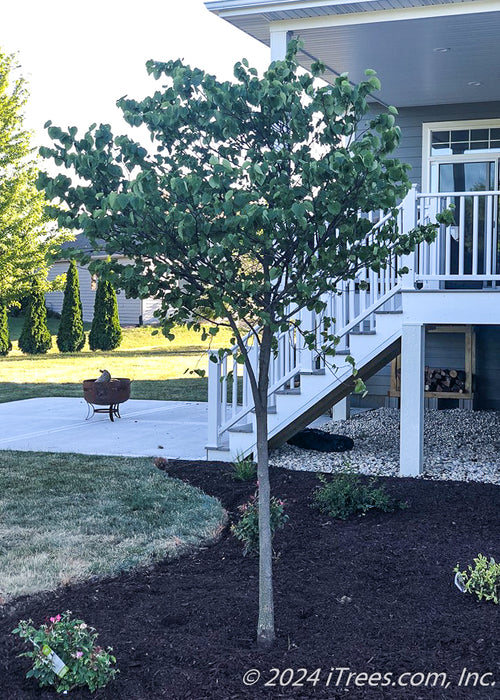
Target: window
[(446, 145)]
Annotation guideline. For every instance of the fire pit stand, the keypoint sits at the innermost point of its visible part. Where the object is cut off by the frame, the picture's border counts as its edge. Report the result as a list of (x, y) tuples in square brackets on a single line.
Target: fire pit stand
[(110, 394)]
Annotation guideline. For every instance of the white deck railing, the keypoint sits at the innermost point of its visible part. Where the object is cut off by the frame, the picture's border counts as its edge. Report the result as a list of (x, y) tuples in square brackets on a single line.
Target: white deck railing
[(466, 252), (352, 306)]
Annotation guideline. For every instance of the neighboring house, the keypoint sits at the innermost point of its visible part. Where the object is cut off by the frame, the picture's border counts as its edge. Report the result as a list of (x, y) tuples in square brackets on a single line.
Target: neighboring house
[(132, 312), (438, 61)]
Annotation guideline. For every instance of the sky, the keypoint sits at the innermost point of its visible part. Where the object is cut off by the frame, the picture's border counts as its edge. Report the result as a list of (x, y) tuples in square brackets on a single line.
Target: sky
[(80, 56)]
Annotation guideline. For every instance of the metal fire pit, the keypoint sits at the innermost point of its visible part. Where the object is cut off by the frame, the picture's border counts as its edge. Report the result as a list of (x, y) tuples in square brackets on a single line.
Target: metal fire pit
[(110, 394)]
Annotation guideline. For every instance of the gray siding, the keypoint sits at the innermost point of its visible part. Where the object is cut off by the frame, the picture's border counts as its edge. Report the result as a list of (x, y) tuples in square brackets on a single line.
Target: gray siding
[(442, 350), (410, 120), (446, 350), (487, 368), (129, 310)]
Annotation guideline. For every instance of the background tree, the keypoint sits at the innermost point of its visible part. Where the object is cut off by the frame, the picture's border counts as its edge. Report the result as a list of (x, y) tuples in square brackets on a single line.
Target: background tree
[(5, 344), (252, 196), (35, 338), (29, 238), (106, 332), (71, 336)]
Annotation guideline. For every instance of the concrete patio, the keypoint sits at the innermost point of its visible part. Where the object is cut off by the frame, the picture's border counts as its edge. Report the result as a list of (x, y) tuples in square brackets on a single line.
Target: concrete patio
[(171, 429)]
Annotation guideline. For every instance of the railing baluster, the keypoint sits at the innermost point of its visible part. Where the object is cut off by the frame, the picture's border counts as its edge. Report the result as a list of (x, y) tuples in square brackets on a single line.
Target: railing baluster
[(475, 234), (235, 387), (224, 387), (461, 235), (495, 237), (489, 235), (351, 299)]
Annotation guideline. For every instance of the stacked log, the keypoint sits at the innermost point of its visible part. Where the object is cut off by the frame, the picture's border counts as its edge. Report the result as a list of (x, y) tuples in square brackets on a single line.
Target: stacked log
[(444, 380)]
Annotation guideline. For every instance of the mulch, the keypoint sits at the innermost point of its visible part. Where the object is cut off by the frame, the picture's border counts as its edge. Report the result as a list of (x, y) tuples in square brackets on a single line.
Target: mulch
[(373, 594)]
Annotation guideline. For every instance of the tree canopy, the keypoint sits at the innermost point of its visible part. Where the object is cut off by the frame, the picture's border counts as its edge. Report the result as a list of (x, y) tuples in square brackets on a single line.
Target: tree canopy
[(28, 236), (251, 202)]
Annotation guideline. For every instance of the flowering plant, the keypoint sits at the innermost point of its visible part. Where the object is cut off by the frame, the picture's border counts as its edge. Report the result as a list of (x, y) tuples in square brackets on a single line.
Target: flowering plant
[(247, 528), (65, 654)]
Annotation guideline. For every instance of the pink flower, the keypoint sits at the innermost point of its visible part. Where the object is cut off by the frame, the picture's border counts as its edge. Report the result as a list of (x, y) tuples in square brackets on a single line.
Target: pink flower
[(79, 654), (55, 619)]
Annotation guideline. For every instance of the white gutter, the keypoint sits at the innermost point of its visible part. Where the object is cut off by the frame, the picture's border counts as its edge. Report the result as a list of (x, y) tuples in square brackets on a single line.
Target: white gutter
[(228, 8), (221, 7)]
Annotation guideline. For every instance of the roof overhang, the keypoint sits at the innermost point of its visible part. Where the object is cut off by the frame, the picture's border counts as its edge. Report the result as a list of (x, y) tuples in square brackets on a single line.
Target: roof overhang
[(425, 53)]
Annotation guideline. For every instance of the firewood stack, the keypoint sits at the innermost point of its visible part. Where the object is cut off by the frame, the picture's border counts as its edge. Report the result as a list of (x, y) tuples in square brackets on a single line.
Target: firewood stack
[(445, 380)]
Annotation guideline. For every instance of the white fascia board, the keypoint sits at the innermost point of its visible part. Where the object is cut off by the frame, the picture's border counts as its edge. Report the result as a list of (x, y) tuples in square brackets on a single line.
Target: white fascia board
[(248, 7), (407, 13)]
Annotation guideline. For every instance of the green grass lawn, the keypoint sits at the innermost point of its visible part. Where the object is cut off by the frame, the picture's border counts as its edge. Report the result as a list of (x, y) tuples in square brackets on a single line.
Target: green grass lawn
[(159, 368), (66, 517)]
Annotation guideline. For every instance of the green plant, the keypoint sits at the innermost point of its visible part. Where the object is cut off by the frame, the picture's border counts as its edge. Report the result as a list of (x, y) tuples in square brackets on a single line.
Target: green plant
[(247, 528), (35, 338), (66, 655), (255, 216), (5, 344), (343, 494), (28, 238), (105, 333), (482, 579), (244, 469), (70, 336)]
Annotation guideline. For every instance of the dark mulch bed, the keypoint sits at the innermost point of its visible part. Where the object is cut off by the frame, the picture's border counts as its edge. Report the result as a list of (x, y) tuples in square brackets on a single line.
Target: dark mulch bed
[(185, 629)]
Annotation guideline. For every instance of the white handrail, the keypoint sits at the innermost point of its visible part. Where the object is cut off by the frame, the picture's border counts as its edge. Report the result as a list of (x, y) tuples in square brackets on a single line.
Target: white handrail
[(466, 250), (352, 304)]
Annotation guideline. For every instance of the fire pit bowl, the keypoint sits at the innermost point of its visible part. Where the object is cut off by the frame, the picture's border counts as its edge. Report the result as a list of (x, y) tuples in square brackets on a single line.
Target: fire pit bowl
[(110, 394)]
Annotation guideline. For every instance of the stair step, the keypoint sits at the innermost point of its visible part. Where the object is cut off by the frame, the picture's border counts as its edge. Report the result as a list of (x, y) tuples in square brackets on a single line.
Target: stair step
[(395, 311), (310, 372), (342, 352), (271, 410), (221, 448), (362, 332), (247, 428), (284, 392)]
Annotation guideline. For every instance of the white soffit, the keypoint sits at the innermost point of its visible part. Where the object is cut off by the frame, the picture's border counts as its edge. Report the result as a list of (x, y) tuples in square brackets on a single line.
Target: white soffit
[(402, 51), (293, 9)]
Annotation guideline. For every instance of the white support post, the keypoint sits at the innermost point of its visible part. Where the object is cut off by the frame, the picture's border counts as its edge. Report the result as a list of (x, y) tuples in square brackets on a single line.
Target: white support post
[(279, 44), (342, 409), (409, 217), (412, 400), (214, 403)]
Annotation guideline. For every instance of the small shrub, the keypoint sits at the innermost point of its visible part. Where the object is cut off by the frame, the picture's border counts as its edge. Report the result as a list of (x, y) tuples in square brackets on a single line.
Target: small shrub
[(344, 494), (160, 462), (482, 579), (74, 642), (247, 528), (5, 344), (71, 336), (35, 338), (244, 469)]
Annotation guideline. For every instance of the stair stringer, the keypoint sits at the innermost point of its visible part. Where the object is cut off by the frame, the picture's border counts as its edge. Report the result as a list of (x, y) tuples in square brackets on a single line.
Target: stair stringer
[(300, 410)]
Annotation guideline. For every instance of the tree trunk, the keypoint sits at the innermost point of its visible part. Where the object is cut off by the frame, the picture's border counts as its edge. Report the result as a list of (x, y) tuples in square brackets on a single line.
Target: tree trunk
[(265, 628)]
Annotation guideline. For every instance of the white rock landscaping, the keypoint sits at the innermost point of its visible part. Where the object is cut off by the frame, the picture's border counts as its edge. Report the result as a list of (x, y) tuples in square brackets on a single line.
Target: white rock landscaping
[(459, 445)]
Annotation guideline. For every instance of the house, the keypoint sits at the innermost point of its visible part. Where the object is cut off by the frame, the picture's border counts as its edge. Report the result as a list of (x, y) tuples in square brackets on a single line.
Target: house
[(132, 312), (438, 64)]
